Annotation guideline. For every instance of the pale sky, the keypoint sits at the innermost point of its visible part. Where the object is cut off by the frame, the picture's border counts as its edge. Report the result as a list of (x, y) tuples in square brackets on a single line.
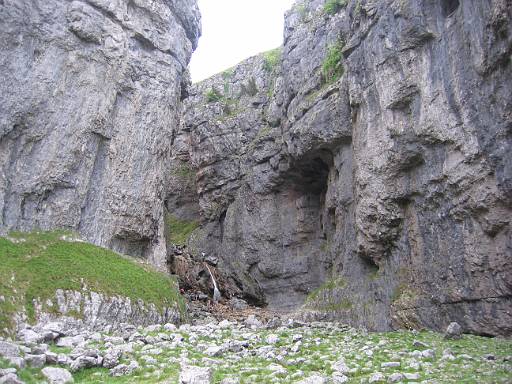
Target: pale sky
[(234, 30)]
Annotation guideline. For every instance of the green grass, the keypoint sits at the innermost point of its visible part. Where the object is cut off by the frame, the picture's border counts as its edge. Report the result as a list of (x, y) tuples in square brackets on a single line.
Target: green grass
[(178, 230), (332, 67), (213, 95), (327, 287), (272, 59), (39, 263), (331, 7), (320, 347)]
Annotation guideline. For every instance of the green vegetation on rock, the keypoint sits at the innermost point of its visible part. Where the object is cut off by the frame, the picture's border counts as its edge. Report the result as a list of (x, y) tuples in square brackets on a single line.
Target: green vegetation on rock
[(213, 95), (425, 356), (331, 7), (332, 67), (35, 265), (302, 10), (179, 231), (250, 88), (271, 59)]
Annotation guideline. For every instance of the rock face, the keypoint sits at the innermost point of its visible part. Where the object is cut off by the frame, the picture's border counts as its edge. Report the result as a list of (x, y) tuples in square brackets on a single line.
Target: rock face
[(364, 170), (90, 93), (368, 170), (98, 311)]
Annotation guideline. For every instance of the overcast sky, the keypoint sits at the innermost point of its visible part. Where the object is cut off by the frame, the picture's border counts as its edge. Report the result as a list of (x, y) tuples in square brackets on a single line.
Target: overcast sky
[(234, 30)]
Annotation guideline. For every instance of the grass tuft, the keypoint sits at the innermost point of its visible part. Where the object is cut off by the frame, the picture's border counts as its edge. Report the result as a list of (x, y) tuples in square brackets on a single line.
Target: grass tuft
[(331, 7), (332, 67), (178, 230), (213, 95), (272, 59)]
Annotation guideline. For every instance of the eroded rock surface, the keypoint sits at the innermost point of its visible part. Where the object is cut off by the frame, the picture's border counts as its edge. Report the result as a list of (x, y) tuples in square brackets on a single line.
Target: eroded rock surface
[(381, 196), (89, 97)]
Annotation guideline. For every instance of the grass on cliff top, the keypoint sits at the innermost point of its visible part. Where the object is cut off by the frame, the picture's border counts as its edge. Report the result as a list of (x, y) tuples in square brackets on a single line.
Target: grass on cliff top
[(34, 265)]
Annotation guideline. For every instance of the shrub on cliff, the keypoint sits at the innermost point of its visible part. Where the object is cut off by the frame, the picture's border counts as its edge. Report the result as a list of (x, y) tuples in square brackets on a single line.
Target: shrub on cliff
[(332, 7), (332, 67), (213, 95)]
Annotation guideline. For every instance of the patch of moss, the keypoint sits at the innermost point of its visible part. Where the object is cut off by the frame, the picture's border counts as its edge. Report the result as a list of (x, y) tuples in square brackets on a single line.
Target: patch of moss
[(403, 296), (328, 286), (332, 67), (331, 7), (179, 231), (185, 175), (35, 265), (272, 59)]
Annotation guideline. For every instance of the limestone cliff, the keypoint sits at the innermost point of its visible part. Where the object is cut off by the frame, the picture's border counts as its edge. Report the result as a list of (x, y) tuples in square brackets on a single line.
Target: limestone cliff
[(365, 170), (89, 97), (362, 172)]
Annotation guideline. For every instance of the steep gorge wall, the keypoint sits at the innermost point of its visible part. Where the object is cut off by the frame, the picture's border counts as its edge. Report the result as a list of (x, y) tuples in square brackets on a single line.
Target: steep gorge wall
[(382, 198), (90, 96)]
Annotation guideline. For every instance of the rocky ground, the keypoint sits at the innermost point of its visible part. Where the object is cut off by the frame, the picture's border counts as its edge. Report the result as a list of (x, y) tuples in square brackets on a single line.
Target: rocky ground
[(250, 347)]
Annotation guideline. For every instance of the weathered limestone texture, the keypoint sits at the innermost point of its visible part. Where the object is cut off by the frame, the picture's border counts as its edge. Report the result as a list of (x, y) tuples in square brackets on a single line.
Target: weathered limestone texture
[(382, 196), (89, 97), (98, 311)]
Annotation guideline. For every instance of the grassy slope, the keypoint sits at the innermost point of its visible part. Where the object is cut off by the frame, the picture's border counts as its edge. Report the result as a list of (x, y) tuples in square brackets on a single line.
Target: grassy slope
[(38, 264)]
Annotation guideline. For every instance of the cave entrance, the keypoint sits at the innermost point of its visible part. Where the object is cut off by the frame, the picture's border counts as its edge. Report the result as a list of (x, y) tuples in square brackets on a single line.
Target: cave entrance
[(292, 264), (311, 175)]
